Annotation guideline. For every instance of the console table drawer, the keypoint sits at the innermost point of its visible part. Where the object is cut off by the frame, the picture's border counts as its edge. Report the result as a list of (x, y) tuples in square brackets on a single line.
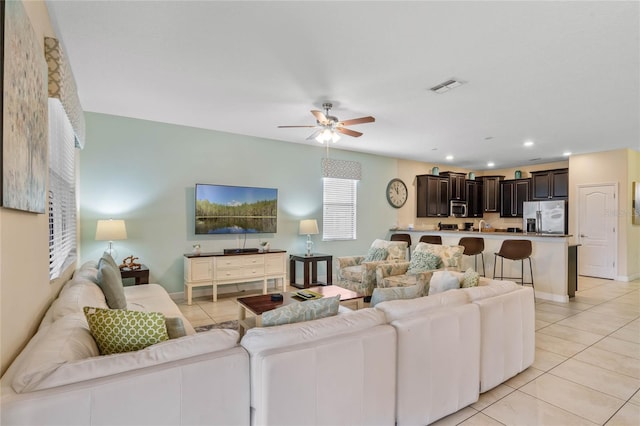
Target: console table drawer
[(241, 273), (275, 264), (238, 261)]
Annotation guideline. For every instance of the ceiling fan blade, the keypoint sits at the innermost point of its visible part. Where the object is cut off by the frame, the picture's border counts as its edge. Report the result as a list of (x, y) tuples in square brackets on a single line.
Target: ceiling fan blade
[(368, 119), (322, 119), (280, 127), (314, 134), (348, 132)]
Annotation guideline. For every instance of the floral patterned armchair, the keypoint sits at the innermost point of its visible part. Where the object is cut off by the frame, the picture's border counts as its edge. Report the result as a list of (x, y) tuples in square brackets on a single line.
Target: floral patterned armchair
[(358, 273), (426, 259)]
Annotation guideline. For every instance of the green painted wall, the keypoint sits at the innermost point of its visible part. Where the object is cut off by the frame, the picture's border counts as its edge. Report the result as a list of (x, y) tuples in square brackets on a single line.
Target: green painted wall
[(144, 172)]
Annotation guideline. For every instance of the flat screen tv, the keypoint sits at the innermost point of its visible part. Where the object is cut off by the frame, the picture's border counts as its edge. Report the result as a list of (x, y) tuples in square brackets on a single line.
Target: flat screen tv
[(223, 209)]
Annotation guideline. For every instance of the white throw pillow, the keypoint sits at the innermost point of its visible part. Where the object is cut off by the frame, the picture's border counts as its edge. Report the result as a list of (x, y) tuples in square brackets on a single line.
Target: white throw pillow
[(443, 281)]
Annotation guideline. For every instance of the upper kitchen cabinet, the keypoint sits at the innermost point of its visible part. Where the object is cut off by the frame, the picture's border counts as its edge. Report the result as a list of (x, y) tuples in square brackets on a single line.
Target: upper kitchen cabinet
[(550, 184), (513, 195), (475, 198), (456, 185), (432, 196), (491, 192)]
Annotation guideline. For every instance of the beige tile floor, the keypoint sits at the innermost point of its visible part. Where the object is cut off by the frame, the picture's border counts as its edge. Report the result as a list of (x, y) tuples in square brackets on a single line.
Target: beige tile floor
[(587, 366)]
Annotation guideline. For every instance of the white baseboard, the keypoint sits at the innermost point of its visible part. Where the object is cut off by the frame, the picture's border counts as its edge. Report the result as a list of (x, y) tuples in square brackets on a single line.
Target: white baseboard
[(629, 278)]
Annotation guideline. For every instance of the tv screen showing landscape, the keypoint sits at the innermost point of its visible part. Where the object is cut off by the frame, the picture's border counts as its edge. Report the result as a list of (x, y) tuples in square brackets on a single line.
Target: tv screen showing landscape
[(223, 209)]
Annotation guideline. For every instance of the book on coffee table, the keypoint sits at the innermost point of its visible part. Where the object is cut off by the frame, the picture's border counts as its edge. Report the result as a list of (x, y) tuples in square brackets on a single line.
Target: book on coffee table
[(307, 295)]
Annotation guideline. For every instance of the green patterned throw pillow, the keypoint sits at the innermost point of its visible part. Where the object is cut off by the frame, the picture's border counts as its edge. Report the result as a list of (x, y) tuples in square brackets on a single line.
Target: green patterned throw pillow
[(303, 311), (470, 278), (118, 330), (375, 254), (422, 261)]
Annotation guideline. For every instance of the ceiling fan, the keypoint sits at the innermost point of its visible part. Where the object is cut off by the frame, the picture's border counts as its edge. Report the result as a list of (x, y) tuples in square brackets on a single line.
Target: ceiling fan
[(329, 126)]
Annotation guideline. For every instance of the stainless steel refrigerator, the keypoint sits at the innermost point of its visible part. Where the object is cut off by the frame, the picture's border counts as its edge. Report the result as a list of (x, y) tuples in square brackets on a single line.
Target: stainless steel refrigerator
[(545, 217)]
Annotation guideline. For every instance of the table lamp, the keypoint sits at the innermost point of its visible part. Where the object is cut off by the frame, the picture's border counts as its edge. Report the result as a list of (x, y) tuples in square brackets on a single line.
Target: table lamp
[(309, 227), (110, 230)]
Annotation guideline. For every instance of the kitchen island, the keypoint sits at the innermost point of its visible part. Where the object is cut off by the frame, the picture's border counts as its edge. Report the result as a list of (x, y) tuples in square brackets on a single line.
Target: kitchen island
[(549, 257)]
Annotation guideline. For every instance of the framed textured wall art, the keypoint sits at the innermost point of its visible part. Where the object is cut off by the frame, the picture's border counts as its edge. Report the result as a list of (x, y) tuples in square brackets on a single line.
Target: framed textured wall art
[(24, 112)]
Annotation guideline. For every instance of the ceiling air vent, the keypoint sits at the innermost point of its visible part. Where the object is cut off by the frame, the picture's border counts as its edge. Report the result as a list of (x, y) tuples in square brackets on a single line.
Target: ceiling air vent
[(446, 86)]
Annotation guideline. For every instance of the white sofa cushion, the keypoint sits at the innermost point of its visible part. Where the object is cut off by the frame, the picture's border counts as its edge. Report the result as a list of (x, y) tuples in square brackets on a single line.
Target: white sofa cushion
[(396, 309), (154, 298), (74, 298), (263, 338), (48, 366), (438, 367), (338, 370), (66, 340)]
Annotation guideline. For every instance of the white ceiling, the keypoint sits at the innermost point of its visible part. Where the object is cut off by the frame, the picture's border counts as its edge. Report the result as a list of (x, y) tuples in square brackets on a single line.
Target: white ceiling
[(563, 74)]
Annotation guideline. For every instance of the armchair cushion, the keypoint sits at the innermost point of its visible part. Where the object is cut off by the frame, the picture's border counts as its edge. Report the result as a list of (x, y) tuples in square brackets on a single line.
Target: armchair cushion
[(376, 253), (423, 261), (396, 250), (451, 255)]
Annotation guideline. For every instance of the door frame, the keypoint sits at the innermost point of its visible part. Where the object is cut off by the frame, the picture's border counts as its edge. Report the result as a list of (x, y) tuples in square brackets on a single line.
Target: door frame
[(616, 209)]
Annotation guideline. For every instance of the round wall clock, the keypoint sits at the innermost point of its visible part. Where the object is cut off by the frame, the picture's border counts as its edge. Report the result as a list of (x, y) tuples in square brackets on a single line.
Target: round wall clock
[(397, 193)]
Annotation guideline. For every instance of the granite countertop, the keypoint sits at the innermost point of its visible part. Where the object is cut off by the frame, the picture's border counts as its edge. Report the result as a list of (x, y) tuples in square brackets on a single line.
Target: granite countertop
[(475, 232)]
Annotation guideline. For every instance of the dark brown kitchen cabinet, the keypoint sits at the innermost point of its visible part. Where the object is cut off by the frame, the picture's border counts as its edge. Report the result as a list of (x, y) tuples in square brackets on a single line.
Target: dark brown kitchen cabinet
[(456, 185), (432, 196), (475, 198), (513, 195), (491, 192), (550, 184)]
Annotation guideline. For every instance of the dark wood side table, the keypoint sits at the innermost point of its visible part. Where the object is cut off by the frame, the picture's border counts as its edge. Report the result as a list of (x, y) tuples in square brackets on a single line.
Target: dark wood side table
[(310, 262), (141, 275)]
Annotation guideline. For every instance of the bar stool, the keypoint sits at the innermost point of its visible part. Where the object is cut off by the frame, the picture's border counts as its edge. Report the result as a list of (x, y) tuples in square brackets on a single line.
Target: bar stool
[(403, 237), (431, 239), (514, 250), (474, 246)]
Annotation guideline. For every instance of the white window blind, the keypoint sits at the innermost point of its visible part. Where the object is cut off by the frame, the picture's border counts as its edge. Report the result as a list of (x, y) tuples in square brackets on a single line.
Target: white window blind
[(62, 191), (339, 205)]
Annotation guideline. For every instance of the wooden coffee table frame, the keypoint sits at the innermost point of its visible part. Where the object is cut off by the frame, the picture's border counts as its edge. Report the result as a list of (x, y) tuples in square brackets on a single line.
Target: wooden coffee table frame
[(257, 305)]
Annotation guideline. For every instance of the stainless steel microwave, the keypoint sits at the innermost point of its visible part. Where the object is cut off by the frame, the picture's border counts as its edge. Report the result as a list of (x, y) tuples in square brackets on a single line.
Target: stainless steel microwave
[(457, 208)]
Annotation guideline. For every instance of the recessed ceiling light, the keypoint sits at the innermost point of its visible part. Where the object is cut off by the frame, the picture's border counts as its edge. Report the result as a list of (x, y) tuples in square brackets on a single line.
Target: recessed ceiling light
[(566, 153), (449, 157), (446, 86), (490, 164), (528, 143)]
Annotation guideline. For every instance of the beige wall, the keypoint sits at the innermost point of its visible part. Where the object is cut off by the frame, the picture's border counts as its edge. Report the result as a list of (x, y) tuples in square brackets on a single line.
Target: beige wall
[(25, 290), (618, 167)]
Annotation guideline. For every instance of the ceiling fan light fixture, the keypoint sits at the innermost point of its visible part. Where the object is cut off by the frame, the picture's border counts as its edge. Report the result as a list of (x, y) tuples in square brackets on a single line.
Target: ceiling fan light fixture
[(327, 135)]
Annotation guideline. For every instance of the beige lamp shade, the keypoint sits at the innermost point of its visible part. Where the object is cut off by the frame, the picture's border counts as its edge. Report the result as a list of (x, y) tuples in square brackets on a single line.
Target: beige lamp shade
[(309, 227), (110, 230)]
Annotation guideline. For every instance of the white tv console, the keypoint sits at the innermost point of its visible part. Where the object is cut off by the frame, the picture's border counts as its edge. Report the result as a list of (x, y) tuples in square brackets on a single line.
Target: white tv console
[(216, 269)]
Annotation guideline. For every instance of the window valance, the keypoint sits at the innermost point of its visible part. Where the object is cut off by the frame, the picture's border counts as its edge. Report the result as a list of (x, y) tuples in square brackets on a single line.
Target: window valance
[(341, 169), (63, 86)]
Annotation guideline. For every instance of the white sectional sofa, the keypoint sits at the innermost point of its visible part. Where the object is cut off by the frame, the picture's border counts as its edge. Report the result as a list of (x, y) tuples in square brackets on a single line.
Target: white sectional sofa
[(60, 379), (402, 362)]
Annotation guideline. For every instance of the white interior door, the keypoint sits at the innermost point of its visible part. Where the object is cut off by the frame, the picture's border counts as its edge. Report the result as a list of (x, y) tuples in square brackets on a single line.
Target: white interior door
[(597, 230)]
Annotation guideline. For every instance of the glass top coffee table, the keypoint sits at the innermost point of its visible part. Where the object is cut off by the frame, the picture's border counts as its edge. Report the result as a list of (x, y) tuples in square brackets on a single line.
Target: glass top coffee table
[(257, 305)]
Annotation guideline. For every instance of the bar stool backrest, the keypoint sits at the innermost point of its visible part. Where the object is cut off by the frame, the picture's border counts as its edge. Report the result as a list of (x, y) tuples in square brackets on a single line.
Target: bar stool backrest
[(515, 249), (402, 237), (431, 239), (472, 245)]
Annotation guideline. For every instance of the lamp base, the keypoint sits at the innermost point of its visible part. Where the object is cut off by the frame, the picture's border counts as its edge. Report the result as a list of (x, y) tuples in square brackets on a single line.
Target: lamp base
[(309, 245)]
